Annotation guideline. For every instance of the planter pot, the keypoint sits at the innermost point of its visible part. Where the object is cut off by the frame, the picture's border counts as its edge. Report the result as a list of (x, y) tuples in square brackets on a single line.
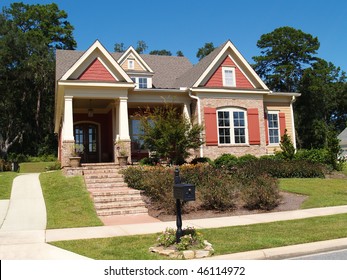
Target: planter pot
[(75, 161), (123, 160)]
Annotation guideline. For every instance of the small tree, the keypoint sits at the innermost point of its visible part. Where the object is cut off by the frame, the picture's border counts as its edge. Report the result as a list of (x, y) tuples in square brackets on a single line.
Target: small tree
[(287, 146), (169, 133)]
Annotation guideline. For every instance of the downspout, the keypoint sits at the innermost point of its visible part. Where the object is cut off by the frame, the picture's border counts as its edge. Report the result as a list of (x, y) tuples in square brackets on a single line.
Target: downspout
[(199, 118), (293, 126)]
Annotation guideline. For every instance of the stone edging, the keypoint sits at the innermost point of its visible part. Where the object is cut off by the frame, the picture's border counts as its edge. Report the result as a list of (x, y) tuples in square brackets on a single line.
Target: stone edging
[(172, 252)]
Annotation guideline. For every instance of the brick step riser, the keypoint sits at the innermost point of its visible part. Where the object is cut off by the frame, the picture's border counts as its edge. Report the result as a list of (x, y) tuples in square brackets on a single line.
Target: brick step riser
[(122, 212), (118, 205), (104, 180), (103, 176), (100, 193), (100, 172), (105, 199), (106, 185)]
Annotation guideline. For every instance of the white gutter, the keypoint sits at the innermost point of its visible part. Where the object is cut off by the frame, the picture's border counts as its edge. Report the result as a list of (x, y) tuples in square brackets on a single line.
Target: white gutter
[(199, 118)]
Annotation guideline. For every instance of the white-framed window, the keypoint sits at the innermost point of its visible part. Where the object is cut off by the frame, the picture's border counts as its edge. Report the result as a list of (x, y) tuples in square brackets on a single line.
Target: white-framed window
[(142, 82), (228, 74), (131, 63), (232, 126), (273, 127)]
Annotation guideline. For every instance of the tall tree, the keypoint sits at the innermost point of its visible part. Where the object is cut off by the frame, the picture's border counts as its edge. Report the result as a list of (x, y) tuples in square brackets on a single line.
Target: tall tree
[(160, 52), (29, 35), (322, 105), (141, 46), (119, 47), (286, 52), (179, 53), (205, 50)]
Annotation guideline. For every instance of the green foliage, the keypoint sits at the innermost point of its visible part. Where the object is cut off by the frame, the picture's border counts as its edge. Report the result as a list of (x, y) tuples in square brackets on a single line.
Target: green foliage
[(160, 52), (205, 50), (191, 239), (29, 36), (201, 160), (261, 193), (226, 160), (169, 134), (285, 53), (287, 147)]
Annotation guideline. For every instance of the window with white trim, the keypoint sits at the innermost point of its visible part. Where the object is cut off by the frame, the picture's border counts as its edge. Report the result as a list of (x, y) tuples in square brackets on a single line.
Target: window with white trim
[(142, 82), (273, 126), (131, 64), (232, 126), (228, 74)]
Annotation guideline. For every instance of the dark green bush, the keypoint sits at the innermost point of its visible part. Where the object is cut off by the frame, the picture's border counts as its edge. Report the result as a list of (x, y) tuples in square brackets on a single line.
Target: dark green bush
[(313, 155), (261, 193), (246, 158), (133, 176), (226, 160), (200, 160)]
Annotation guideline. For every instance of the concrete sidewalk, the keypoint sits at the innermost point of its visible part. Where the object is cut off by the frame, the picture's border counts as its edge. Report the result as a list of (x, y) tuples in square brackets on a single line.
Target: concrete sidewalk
[(23, 233)]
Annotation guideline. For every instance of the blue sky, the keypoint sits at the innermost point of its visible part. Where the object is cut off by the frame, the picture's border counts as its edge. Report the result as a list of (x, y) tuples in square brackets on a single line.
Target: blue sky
[(187, 25)]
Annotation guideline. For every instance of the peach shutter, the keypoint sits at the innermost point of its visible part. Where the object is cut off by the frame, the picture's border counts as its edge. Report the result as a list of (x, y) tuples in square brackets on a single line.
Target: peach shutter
[(253, 126), (211, 126), (266, 129), (282, 117)]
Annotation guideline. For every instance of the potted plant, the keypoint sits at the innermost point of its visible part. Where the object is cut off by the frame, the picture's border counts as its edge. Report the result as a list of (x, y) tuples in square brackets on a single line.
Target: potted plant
[(75, 157), (122, 154)]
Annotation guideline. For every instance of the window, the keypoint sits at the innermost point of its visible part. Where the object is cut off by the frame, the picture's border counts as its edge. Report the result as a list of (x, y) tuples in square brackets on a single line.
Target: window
[(228, 76), (232, 126), (131, 64), (142, 82), (273, 125)]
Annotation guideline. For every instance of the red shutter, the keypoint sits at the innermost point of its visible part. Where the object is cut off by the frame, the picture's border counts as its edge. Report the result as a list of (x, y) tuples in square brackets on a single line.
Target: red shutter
[(266, 128), (211, 126), (253, 126), (282, 123)]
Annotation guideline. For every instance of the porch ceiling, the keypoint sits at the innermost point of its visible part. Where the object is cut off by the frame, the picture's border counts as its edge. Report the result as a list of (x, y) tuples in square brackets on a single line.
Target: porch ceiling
[(92, 103)]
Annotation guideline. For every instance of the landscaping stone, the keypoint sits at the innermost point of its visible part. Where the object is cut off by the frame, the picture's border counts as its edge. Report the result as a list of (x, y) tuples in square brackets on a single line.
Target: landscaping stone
[(172, 252)]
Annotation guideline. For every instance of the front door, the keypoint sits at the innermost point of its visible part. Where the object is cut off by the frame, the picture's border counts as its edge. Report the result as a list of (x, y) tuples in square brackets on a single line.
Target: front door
[(87, 135)]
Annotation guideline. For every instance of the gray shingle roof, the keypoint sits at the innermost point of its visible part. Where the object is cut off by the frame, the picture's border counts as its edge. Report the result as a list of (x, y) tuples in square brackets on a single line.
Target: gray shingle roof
[(343, 137), (166, 68)]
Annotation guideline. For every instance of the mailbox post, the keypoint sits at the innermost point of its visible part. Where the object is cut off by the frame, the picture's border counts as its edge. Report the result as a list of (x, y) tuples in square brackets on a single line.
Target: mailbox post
[(184, 192)]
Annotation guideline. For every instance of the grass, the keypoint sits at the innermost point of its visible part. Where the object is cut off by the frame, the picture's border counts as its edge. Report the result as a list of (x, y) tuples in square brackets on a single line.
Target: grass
[(224, 240), (67, 201), (6, 179), (35, 167), (344, 168), (320, 192)]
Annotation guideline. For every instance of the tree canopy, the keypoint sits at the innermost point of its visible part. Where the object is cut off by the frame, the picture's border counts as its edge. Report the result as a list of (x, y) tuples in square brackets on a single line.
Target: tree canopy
[(205, 50), (160, 52), (29, 36), (285, 53)]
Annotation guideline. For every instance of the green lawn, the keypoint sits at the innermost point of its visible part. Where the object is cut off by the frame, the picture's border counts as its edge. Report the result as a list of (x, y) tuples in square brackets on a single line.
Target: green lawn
[(67, 201), (35, 167), (6, 179), (320, 192), (224, 240)]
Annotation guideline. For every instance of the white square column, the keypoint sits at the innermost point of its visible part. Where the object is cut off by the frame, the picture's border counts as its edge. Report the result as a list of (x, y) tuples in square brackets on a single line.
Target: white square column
[(67, 129), (123, 119)]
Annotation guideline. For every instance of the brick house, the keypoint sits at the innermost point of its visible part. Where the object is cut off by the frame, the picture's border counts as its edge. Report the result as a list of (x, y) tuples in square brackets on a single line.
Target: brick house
[(98, 95)]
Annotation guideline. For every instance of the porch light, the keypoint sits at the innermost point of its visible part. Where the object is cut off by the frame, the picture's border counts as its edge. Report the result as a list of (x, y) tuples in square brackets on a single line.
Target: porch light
[(90, 110)]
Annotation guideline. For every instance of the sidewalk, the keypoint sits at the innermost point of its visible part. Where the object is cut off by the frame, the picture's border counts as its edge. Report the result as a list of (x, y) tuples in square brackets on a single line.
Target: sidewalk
[(23, 233)]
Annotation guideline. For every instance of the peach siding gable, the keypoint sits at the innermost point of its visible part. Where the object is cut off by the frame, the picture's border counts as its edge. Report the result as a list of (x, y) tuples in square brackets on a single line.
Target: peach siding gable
[(96, 71), (216, 79)]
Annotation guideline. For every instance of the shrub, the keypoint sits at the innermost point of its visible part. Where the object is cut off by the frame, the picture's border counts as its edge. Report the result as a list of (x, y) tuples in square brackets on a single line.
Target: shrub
[(200, 160), (261, 192), (226, 160), (246, 158), (313, 155)]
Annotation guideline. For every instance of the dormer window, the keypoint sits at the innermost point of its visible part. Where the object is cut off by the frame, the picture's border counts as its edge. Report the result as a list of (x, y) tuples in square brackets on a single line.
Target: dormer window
[(228, 76), (131, 64), (142, 82)]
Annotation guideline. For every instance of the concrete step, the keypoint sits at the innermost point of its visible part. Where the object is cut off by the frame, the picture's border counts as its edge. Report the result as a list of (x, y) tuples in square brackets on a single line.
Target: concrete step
[(124, 211)]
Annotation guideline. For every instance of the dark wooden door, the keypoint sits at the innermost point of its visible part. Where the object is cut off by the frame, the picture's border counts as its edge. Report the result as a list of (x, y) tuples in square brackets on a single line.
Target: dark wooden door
[(87, 135)]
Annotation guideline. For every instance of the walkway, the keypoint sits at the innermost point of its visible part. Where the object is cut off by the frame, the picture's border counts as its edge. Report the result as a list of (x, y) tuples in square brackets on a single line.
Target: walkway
[(23, 223)]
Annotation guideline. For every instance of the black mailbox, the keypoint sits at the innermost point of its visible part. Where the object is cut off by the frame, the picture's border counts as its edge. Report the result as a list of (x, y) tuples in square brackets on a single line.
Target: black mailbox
[(184, 192)]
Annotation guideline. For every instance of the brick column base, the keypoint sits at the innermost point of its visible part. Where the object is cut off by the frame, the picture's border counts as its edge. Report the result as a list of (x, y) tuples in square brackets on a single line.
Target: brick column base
[(66, 148), (122, 145)]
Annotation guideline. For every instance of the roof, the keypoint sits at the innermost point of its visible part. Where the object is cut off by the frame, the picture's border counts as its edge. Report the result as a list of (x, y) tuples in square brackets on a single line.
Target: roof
[(343, 137), (166, 68)]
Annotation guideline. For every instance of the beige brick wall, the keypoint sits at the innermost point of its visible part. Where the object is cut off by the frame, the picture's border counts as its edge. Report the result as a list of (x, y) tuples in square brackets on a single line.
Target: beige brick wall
[(238, 150), (66, 148)]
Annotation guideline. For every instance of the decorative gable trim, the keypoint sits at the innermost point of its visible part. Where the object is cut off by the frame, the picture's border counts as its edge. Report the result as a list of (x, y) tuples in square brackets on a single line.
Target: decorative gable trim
[(242, 64), (132, 53), (96, 51)]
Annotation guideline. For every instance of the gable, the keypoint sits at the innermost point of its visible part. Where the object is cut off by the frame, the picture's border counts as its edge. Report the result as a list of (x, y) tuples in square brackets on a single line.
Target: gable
[(96, 71), (137, 66), (216, 79), (95, 59), (139, 63)]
